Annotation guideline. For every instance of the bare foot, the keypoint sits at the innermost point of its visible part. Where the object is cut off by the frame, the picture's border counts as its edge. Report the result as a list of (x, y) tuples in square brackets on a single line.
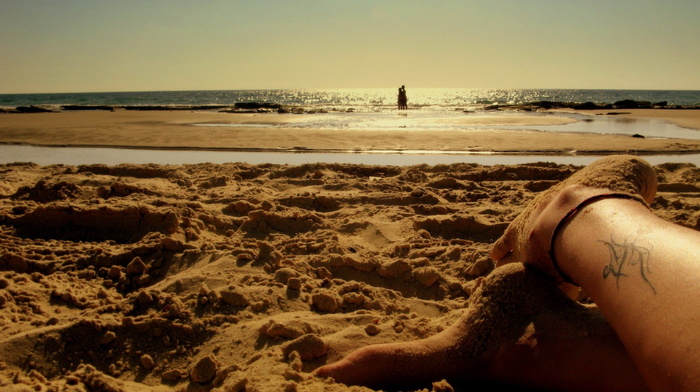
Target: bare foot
[(527, 238), (408, 364), (519, 328)]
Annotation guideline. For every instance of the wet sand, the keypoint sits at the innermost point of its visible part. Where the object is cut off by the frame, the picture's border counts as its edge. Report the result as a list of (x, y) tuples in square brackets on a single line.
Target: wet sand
[(175, 130)]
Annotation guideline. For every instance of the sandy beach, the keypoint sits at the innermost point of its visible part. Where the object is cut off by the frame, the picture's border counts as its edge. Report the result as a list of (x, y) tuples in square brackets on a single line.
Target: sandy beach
[(252, 132), (201, 277), (340, 196), (239, 277)]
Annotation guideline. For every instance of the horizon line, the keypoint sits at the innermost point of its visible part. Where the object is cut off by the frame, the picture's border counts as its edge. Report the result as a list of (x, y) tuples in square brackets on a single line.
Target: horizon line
[(344, 88)]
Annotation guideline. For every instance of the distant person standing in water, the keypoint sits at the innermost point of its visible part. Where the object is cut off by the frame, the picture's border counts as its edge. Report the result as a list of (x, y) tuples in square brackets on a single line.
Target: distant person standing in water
[(403, 100)]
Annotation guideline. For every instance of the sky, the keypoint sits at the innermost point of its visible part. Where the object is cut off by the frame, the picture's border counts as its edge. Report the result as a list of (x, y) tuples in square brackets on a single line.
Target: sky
[(145, 45)]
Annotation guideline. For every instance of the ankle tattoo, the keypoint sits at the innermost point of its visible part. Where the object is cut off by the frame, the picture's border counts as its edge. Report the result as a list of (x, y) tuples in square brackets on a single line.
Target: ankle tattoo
[(626, 258), (571, 214)]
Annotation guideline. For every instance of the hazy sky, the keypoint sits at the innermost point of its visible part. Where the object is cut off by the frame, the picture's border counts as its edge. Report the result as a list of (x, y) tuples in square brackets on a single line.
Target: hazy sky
[(124, 45)]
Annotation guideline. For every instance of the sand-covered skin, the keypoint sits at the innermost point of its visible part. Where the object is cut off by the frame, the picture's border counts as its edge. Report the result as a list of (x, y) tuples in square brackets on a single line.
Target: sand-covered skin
[(176, 130), (626, 174), (247, 277)]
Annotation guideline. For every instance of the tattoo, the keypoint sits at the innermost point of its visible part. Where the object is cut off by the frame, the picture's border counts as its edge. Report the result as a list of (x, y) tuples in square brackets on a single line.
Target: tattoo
[(626, 256)]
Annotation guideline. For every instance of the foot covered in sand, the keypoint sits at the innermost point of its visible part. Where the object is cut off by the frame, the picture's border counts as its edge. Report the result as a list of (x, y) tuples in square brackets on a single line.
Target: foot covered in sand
[(462, 351), (527, 238), (519, 329)]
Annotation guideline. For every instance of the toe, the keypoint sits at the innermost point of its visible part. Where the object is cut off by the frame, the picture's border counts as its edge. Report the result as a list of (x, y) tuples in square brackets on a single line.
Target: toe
[(503, 246)]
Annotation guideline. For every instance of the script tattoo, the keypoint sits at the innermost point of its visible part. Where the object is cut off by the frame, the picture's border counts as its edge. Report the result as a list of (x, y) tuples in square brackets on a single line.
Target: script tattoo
[(627, 257)]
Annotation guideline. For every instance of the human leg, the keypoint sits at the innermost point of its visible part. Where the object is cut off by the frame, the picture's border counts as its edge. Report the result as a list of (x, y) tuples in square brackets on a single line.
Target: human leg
[(527, 238), (654, 318), (519, 328), (640, 270)]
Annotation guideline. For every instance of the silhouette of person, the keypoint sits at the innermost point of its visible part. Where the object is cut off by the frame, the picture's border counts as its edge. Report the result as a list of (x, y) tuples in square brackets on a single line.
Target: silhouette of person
[(403, 100)]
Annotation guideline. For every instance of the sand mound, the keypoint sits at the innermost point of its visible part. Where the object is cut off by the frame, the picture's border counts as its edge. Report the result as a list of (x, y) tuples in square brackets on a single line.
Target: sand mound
[(246, 277)]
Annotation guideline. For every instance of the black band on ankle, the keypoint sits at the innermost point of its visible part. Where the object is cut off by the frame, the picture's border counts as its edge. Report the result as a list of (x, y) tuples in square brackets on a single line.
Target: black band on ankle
[(569, 215)]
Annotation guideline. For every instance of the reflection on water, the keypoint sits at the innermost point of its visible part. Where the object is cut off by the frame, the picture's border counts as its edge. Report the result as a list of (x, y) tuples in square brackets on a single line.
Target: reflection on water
[(115, 156), (647, 127), (361, 99), (417, 120)]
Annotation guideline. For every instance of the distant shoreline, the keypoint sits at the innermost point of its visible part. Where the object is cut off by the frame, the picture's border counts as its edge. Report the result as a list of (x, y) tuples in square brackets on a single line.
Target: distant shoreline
[(179, 130), (270, 107), (356, 99)]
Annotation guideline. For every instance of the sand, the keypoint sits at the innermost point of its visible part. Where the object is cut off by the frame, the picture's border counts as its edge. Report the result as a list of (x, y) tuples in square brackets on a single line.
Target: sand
[(246, 277), (175, 130)]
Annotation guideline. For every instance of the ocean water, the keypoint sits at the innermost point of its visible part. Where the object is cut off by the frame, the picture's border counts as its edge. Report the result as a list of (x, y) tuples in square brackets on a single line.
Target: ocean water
[(362, 100), (429, 109)]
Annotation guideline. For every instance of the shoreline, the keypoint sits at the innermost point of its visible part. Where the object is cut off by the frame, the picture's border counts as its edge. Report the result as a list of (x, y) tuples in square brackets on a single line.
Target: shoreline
[(300, 150), (183, 130), (77, 156)]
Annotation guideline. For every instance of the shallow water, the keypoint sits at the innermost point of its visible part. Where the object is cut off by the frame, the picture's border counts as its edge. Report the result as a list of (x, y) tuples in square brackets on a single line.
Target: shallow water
[(647, 127), (416, 120), (115, 156)]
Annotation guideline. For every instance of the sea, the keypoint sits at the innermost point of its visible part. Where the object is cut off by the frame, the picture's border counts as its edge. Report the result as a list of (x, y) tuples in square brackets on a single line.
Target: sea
[(360, 100), (374, 108)]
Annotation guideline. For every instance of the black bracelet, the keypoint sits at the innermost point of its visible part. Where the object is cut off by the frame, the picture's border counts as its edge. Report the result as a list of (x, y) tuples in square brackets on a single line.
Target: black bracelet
[(571, 214)]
